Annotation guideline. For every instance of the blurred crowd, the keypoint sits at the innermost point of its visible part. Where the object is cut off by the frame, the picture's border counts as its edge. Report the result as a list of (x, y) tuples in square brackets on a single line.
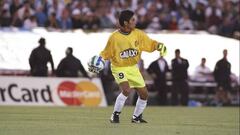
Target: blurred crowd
[(215, 16)]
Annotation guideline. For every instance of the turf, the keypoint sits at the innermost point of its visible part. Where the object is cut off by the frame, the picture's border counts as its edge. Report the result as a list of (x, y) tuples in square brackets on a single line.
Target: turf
[(95, 121)]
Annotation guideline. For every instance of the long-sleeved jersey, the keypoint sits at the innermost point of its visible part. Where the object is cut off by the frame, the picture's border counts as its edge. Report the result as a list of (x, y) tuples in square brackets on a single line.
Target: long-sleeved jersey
[(125, 49)]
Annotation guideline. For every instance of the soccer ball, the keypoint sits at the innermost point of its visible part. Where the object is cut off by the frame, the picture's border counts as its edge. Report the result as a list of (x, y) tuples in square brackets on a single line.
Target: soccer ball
[(96, 64)]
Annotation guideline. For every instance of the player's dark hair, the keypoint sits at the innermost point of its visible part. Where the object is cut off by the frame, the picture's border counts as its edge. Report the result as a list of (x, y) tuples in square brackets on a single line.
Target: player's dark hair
[(177, 51), (41, 41), (69, 50), (125, 15)]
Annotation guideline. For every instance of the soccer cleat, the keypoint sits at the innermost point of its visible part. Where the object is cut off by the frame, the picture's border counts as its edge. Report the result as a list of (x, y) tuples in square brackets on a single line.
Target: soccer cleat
[(115, 117), (138, 119)]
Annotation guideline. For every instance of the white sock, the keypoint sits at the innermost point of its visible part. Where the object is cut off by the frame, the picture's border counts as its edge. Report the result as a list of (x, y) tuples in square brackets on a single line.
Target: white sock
[(140, 106), (120, 101)]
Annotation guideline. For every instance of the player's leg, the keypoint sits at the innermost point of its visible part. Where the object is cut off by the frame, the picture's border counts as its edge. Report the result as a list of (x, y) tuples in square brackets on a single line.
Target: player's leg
[(218, 96), (184, 93), (120, 101), (140, 105), (120, 77), (226, 93), (136, 81), (174, 93)]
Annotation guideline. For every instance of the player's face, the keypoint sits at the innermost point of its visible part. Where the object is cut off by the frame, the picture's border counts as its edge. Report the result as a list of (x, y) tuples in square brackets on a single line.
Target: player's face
[(132, 23), (225, 53)]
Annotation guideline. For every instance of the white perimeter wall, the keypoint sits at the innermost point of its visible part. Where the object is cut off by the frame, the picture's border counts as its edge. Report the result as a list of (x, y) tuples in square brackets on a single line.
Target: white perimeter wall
[(15, 47)]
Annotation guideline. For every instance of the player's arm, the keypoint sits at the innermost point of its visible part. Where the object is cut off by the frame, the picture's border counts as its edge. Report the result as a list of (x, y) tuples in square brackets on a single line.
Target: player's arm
[(151, 45), (52, 63), (106, 54), (97, 63)]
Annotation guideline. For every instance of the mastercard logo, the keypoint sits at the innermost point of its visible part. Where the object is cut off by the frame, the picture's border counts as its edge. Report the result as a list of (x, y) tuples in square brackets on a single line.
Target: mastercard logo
[(84, 93)]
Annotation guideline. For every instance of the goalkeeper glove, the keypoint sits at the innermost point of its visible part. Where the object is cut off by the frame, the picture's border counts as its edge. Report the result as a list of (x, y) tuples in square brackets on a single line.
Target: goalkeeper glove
[(162, 49), (93, 69)]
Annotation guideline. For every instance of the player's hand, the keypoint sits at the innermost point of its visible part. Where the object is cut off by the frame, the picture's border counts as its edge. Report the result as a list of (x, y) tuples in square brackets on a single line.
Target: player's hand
[(162, 49), (96, 64), (93, 69), (90, 78)]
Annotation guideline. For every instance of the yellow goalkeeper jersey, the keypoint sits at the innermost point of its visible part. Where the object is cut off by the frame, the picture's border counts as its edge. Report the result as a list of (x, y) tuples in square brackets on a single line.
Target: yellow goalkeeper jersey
[(125, 49)]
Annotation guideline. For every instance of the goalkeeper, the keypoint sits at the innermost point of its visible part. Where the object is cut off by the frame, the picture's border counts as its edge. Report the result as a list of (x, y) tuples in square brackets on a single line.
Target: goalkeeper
[(123, 49)]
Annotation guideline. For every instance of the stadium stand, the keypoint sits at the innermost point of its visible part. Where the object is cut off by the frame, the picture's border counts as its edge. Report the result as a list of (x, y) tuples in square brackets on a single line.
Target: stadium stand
[(216, 16)]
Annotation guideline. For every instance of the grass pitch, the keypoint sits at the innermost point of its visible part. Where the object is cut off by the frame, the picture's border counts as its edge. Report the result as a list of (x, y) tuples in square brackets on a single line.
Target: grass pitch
[(95, 121)]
